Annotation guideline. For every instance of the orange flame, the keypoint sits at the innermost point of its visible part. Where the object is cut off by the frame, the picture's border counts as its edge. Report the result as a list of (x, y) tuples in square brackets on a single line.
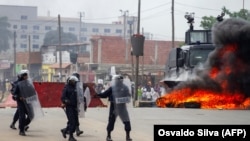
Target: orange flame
[(208, 99)]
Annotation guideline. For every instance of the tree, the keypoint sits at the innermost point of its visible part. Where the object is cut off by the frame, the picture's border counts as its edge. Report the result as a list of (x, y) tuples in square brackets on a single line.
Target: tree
[(5, 34), (207, 22), (52, 38)]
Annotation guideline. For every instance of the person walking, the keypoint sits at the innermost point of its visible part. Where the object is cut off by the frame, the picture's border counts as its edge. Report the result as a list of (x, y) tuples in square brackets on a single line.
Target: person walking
[(16, 115), (119, 95), (80, 100), (20, 95), (70, 102)]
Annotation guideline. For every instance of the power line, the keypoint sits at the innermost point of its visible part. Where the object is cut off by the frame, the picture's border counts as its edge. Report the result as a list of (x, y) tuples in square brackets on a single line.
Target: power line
[(146, 10), (203, 8)]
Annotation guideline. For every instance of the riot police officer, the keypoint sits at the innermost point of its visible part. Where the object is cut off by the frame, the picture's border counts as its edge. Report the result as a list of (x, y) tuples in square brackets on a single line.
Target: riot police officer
[(16, 115), (24, 118), (69, 100), (78, 131), (116, 94)]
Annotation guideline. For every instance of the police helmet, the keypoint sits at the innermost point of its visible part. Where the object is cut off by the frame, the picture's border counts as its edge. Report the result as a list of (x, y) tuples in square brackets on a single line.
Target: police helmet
[(73, 78), (76, 75), (23, 73), (117, 77)]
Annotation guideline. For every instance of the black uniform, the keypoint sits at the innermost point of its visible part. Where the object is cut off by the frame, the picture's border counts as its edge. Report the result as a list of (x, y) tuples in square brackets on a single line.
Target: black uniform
[(16, 115), (69, 98), (112, 115), (24, 119), (78, 131)]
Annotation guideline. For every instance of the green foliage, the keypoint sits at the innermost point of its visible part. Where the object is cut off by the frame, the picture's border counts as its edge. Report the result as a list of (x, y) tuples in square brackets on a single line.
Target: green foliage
[(5, 34), (207, 22), (52, 38)]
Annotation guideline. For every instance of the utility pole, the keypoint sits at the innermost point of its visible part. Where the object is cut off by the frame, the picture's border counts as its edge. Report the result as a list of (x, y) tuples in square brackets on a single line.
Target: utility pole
[(173, 38), (243, 5), (60, 52), (14, 71), (29, 55), (124, 13), (80, 30), (131, 51), (137, 56)]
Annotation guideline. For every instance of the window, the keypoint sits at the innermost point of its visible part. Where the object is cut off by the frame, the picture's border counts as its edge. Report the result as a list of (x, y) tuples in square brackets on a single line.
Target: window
[(118, 31), (84, 29), (96, 30), (14, 26), (24, 27), (106, 30), (83, 39), (35, 27), (35, 36), (71, 29), (35, 46), (47, 27), (23, 46), (23, 36), (23, 17)]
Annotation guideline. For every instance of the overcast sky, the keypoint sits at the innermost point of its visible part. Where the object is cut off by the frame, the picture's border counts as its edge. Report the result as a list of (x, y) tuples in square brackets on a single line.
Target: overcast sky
[(155, 14)]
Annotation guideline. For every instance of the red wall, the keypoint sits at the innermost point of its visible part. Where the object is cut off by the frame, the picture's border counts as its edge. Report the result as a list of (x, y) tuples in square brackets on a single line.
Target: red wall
[(49, 94)]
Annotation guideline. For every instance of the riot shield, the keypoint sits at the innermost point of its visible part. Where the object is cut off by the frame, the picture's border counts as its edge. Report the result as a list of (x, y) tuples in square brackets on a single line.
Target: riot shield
[(80, 99), (87, 96), (122, 98), (32, 103)]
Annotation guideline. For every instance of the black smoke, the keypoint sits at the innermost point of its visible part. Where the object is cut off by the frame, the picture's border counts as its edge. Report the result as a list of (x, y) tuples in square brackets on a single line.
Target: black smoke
[(230, 60)]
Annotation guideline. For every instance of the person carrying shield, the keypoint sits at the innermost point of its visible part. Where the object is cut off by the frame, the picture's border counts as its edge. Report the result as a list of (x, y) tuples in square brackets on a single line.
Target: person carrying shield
[(119, 95), (70, 102), (24, 118), (82, 105)]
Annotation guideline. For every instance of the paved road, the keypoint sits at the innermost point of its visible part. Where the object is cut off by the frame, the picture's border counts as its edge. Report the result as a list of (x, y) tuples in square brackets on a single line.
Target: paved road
[(48, 127)]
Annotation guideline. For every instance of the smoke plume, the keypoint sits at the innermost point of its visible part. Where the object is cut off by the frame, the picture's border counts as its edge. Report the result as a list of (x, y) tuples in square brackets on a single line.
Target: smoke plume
[(227, 69)]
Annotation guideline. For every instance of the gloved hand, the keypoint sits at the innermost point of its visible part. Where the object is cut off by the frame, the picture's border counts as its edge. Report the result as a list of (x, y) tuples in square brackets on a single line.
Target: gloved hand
[(14, 97), (85, 107), (63, 105), (66, 101)]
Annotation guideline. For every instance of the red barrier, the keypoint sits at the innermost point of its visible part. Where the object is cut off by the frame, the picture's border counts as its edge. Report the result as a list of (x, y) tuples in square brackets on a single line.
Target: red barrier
[(49, 94)]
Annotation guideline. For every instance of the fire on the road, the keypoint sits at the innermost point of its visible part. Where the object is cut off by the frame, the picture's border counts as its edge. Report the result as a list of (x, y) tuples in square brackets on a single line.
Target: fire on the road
[(225, 81), (207, 99)]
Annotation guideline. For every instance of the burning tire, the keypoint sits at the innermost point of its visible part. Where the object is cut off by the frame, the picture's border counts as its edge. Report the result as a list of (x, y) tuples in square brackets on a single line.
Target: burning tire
[(192, 104)]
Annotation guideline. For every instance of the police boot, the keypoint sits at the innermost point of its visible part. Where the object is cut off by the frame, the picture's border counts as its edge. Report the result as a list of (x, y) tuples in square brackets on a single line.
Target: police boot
[(71, 138), (109, 137), (26, 128), (22, 133), (78, 131), (128, 137), (12, 126), (64, 131)]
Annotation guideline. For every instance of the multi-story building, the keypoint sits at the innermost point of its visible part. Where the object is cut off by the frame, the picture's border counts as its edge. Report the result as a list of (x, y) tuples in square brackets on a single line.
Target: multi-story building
[(31, 29), (28, 25)]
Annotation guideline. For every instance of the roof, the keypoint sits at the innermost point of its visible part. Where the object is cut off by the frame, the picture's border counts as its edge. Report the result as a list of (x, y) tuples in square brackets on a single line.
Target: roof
[(57, 65)]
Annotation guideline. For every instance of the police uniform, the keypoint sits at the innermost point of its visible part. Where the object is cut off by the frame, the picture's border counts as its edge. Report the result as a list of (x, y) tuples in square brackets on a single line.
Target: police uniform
[(69, 99), (16, 115), (109, 93), (24, 119)]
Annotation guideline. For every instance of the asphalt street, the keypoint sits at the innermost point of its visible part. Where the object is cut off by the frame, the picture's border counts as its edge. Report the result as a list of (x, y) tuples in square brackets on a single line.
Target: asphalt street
[(47, 128)]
